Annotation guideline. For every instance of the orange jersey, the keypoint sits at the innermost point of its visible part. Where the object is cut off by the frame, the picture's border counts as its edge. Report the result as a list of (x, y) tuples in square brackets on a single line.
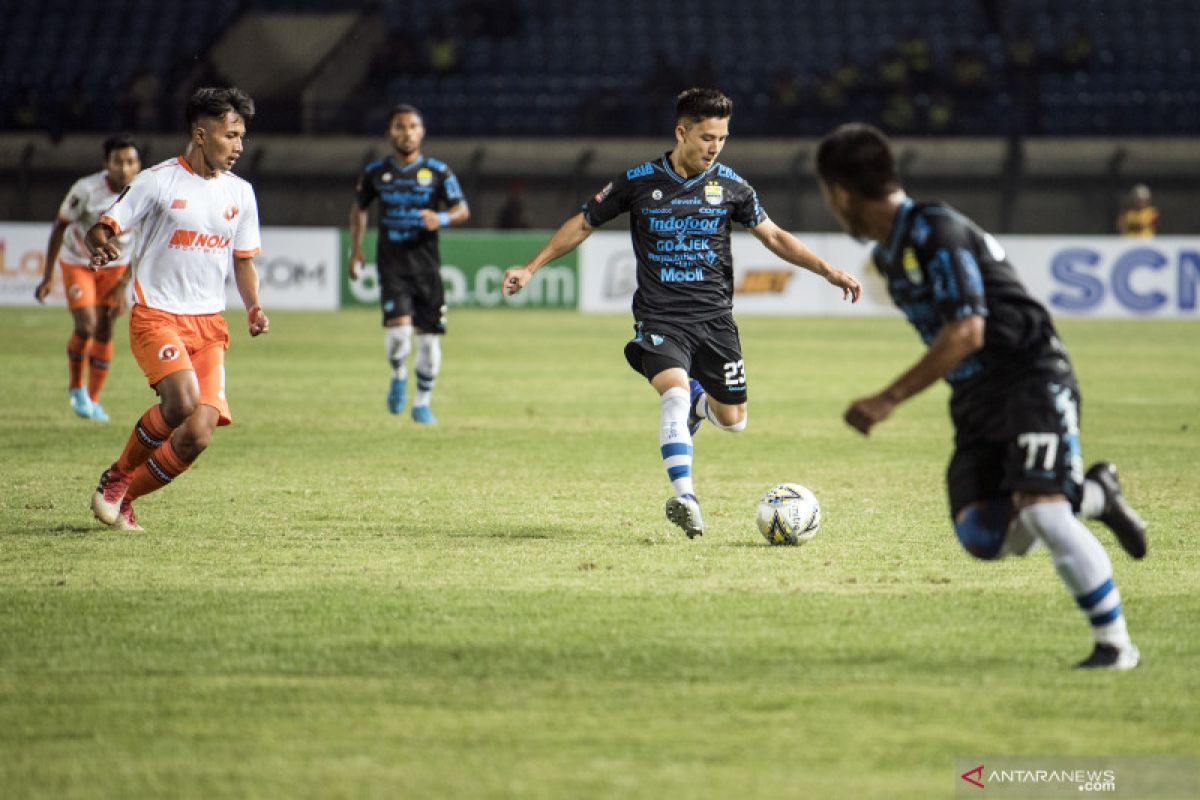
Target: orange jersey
[(190, 231), (88, 198)]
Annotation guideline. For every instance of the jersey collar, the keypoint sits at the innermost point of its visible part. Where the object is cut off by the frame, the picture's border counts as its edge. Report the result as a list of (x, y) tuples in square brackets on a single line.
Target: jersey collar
[(406, 167), (670, 170), (899, 227)]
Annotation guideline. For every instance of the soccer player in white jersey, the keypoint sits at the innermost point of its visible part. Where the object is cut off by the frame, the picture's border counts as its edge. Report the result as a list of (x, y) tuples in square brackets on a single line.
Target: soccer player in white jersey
[(195, 218), (94, 298)]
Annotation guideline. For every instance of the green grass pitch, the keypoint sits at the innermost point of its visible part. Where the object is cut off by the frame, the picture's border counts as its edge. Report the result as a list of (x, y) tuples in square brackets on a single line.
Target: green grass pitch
[(336, 603)]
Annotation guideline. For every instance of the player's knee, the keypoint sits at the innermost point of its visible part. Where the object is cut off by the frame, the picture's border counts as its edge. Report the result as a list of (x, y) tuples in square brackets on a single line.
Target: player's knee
[(981, 530), (177, 408), (730, 418)]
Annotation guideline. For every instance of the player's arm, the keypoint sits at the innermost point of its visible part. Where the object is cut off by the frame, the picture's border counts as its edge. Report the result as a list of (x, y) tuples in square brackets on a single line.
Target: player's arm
[(246, 277), (954, 342), (456, 215), (358, 227), (570, 235), (794, 251), (52, 249)]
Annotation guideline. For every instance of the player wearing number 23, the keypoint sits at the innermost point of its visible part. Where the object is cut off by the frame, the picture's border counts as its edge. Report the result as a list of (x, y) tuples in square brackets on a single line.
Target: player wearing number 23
[(682, 206)]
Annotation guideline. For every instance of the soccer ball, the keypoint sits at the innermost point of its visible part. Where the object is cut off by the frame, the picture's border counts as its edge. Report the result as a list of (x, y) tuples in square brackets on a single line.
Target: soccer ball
[(789, 514)]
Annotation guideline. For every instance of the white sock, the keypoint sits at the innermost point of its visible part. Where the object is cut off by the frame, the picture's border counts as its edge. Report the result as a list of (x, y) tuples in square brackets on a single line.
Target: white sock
[(1092, 504), (398, 340), (427, 365), (675, 442), (703, 405), (1083, 566)]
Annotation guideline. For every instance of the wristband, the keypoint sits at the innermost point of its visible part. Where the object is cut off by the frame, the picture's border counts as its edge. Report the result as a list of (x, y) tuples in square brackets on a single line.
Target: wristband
[(444, 219)]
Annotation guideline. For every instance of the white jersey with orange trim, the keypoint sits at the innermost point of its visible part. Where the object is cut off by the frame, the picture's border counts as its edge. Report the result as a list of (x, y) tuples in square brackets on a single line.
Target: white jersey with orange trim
[(88, 198), (191, 228)]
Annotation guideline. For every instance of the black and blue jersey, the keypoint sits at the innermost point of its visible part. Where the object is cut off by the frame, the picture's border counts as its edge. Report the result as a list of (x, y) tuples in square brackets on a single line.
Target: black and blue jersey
[(940, 267), (404, 190), (681, 236)]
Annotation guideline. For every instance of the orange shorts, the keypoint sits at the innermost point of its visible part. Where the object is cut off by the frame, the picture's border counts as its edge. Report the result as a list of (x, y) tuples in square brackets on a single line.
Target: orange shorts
[(86, 288), (165, 343)]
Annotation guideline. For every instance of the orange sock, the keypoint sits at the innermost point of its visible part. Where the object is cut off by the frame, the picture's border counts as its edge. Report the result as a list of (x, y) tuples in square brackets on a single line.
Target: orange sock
[(162, 467), (148, 435), (77, 350), (99, 357)]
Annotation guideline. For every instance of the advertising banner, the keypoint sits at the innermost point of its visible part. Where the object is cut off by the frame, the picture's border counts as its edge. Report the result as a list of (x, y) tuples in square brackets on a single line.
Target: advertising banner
[(473, 265), (22, 261), (1074, 276), (297, 269)]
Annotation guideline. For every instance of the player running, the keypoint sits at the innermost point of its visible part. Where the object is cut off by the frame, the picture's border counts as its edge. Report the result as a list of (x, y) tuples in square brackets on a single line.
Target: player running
[(417, 196), (682, 206), (194, 218), (1016, 476), (94, 298)]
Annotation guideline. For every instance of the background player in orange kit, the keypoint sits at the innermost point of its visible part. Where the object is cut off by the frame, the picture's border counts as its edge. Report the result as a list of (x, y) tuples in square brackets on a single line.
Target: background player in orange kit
[(194, 216), (94, 298)]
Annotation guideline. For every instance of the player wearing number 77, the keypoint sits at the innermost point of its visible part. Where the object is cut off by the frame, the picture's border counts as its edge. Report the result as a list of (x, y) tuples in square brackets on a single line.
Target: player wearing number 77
[(1016, 477), (682, 206), (196, 219)]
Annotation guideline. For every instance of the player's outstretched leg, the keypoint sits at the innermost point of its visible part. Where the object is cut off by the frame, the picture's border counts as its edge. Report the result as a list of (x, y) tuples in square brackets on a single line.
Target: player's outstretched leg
[(398, 340), (428, 364), (1107, 504), (675, 445), (1087, 572)]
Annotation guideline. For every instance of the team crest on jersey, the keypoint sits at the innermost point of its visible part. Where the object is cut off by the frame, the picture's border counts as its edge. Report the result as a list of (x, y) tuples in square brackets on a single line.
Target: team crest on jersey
[(386, 177), (656, 194), (168, 352), (230, 213), (424, 176), (912, 266), (713, 195)]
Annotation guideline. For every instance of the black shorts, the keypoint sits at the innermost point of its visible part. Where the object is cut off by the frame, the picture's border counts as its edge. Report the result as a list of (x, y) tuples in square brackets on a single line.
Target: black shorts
[(421, 296), (709, 351), (1023, 437)]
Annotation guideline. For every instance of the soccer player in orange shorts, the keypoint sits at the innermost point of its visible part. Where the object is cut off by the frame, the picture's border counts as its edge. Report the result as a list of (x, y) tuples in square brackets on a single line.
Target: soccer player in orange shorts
[(94, 298), (195, 217)]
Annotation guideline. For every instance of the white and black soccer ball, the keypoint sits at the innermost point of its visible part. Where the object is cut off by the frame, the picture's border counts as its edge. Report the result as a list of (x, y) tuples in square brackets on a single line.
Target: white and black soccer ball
[(789, 514)]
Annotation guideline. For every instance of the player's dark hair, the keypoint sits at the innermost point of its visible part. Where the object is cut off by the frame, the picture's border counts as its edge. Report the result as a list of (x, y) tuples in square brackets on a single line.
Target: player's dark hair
[(699, 103), (403, 108), (211, 102), (858, 158), (119, 142)]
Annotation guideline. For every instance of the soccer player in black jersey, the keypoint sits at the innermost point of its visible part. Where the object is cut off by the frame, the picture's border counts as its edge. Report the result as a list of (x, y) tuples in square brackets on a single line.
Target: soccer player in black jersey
[(682, 206), (1016, 476), (417, 196)]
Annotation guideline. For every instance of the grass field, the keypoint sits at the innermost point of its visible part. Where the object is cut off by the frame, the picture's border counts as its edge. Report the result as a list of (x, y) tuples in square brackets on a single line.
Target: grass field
[(336, 603)]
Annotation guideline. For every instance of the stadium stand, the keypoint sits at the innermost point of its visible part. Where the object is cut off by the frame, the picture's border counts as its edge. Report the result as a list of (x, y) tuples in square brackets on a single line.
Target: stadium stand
[(539, 68)]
